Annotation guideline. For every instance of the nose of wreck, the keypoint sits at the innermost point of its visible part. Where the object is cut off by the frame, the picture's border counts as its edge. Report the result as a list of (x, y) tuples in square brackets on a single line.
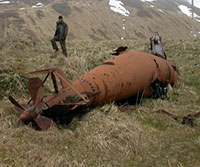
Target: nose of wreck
[(26, 116)]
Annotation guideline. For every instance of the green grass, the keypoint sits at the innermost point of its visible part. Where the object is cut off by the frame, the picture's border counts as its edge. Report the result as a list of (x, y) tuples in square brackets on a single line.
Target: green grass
[(105, 136)]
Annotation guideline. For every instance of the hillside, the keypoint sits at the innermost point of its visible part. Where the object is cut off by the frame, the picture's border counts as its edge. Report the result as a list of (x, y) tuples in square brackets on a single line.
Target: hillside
[(104, 136), (98, 20)]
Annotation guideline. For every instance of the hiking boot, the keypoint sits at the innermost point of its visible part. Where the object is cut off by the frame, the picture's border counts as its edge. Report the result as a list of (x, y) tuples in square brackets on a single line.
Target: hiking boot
[(65, 54), (56, 50)]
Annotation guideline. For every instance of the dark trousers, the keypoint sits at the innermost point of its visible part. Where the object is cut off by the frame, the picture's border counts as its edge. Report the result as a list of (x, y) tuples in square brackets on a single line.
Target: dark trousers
[(62, 44)]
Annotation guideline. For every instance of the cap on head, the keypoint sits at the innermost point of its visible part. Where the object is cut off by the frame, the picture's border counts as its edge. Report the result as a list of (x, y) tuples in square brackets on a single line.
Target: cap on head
[(60, 17)]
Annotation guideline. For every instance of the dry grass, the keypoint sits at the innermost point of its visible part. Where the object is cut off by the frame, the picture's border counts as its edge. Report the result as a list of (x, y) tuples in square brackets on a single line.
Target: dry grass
[(104, 136)]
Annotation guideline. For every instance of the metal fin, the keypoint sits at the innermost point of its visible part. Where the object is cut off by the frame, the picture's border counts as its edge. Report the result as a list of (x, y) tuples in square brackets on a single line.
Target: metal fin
[(36, 90), (13, 101), (44, 123)]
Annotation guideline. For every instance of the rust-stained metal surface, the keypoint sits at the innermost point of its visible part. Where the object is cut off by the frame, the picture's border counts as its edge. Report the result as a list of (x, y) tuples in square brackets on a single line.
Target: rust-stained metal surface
[(175, 117), (126, 75), (188, 119)]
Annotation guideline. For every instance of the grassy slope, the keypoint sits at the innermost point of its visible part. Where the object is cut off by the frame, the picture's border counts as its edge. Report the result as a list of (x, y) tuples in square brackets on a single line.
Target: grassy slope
[(94, 20), (104, 136)]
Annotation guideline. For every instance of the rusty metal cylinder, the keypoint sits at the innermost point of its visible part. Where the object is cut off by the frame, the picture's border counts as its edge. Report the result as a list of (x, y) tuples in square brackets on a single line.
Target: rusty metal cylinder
[(123, 76), (129, 74)]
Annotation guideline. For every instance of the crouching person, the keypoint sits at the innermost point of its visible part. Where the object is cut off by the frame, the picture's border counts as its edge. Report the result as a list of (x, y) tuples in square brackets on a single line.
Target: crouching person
[(156, 46)]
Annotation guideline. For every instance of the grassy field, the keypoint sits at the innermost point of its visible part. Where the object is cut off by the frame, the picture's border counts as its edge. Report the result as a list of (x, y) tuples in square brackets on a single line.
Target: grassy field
[(104, 136)]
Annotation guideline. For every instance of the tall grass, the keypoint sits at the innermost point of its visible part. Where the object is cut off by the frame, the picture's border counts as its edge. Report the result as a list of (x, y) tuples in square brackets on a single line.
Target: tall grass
[(104, 136)]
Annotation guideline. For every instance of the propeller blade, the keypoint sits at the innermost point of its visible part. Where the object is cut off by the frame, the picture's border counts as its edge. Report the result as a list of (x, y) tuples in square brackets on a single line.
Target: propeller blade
[(36, 90), (13, 101), (44, 123), (39, 96)]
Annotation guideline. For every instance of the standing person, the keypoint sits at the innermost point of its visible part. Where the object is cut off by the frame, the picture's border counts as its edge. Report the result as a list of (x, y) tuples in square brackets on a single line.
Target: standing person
[(60, 35)]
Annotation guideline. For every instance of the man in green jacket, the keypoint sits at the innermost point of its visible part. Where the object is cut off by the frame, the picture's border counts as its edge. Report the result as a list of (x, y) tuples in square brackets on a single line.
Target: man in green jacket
[(60, 35)]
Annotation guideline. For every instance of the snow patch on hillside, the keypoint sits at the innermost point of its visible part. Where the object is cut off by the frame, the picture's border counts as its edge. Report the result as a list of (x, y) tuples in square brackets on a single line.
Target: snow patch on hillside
[(38, 5), (148, 0), (161, 10), (123, 27), (4, 2), (196, 3), (117, 6), (195, 35), (187, 11)]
